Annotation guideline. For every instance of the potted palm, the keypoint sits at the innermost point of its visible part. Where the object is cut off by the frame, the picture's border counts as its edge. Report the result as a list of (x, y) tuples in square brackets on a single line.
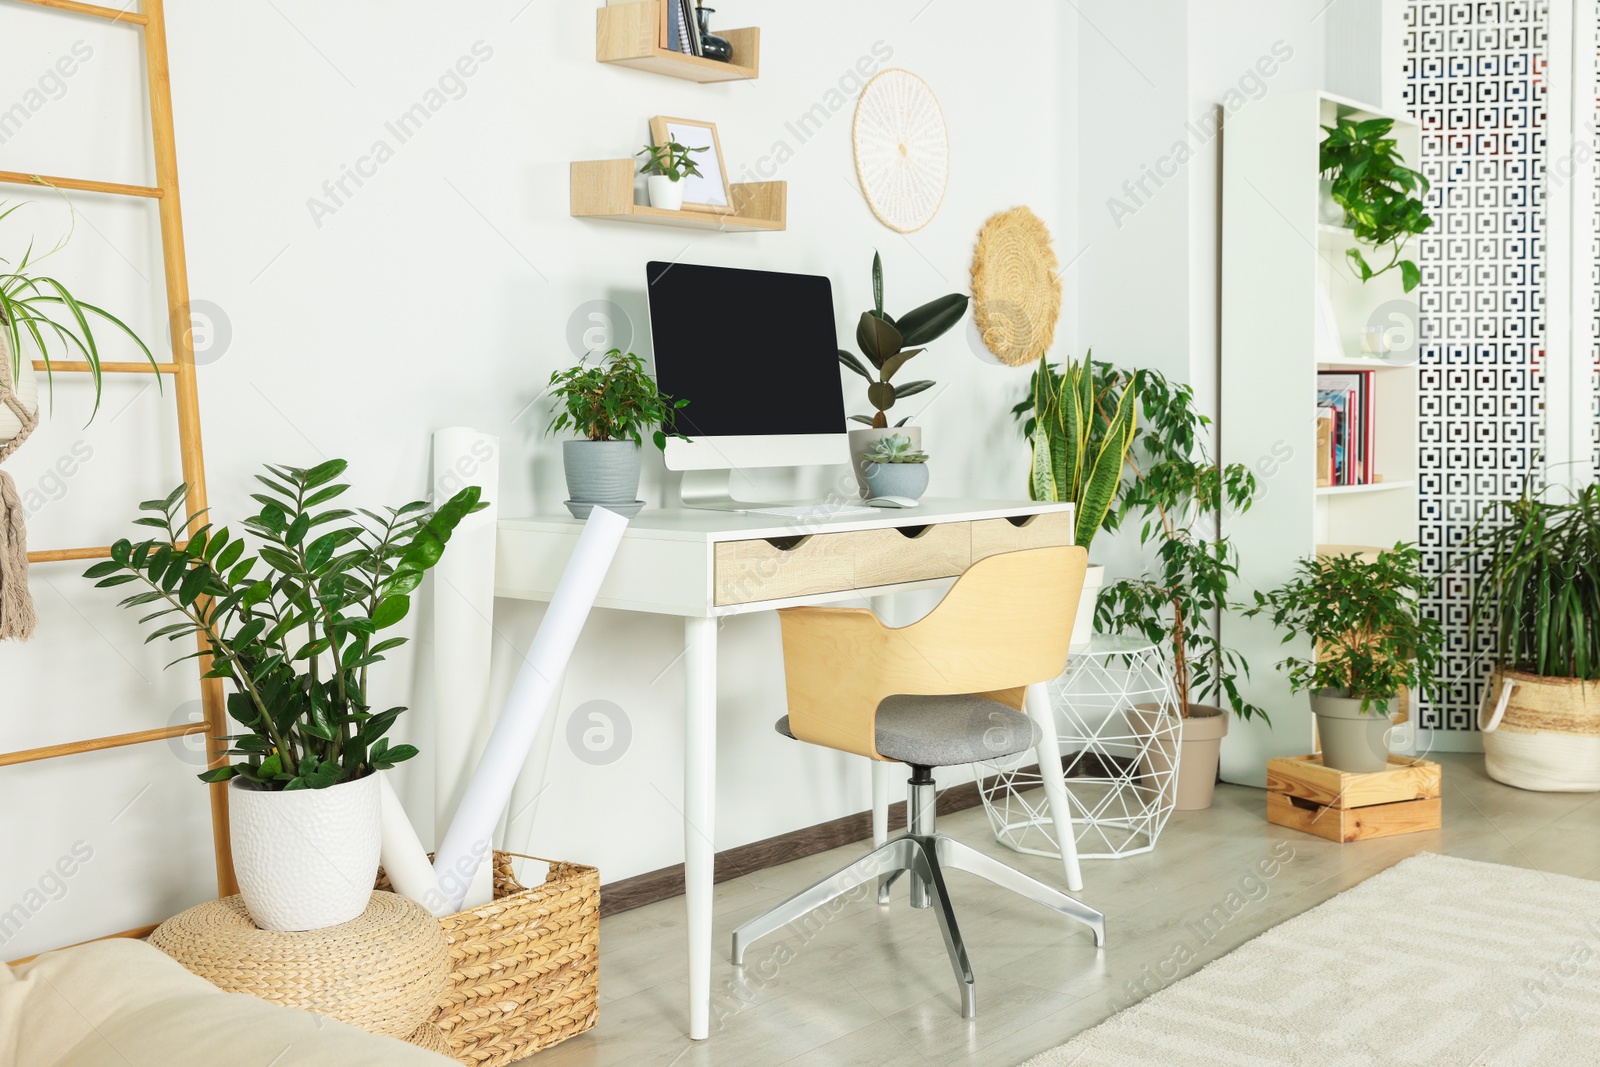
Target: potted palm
[(665, 167), (1081, 422), (1370, 643), (895, 469), (293, 624), (888, 344), (611, 404), (1179, 493), (1538, 593)]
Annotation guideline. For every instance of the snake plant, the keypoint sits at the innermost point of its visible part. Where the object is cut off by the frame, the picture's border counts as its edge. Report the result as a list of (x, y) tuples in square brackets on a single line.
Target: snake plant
[(1082, 430)]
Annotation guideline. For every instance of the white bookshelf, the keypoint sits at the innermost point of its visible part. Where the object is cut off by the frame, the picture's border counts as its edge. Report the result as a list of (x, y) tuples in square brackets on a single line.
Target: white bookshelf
[(1277, 255)]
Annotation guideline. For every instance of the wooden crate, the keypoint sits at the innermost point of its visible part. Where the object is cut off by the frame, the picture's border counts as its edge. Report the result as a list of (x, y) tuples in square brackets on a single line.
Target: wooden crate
[(1342, 806)]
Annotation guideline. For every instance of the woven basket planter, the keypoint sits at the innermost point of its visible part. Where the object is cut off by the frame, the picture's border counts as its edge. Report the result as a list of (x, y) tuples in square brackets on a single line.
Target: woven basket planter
[(524, 970), (1544, 734)]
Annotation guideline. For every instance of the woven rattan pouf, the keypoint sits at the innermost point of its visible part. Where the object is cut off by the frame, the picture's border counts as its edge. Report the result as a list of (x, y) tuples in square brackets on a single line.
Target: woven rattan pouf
[(381, 971)]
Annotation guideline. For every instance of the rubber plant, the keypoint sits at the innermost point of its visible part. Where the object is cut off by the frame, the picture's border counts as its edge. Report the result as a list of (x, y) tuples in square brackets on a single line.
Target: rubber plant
[(889, 344), (1180, 493), (294, 622), (1380, 195), (1361, 616), (1081, 423)]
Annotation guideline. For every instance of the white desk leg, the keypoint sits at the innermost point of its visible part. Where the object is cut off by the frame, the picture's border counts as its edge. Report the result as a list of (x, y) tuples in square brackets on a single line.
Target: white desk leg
[(700, 810), (1055, 788)]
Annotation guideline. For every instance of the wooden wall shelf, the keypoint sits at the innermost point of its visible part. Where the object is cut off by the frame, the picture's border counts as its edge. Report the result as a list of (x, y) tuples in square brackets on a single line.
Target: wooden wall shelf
[(629, 35), (603, 189)]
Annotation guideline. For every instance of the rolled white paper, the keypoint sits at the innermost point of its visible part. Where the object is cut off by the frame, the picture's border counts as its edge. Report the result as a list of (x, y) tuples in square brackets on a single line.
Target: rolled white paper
[(463, 618), (468, 841), (404, 859)]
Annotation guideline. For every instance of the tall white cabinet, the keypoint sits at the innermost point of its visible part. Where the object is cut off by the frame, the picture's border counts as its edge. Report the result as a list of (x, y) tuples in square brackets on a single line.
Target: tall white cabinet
[(1283, 270)]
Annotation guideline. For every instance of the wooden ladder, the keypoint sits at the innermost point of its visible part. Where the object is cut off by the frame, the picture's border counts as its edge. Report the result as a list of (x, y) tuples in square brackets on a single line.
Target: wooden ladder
[(181, 370)]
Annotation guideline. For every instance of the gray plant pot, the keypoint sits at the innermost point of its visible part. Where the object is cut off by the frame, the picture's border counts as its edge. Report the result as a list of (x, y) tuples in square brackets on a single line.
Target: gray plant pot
[(601, 472), (897, 479), (862, 439), (1351, 741)]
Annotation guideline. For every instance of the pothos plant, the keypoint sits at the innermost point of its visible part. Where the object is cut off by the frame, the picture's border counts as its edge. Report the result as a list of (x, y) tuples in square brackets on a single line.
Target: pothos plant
[(612, 400), (1180, 493), (671, 160), (1361, 616), (889, 343), (1379, 193), (293, 623)]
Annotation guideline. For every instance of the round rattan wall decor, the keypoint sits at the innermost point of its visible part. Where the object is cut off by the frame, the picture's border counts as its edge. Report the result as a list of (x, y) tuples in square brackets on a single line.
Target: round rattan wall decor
[(1016, 292), (902, 150)]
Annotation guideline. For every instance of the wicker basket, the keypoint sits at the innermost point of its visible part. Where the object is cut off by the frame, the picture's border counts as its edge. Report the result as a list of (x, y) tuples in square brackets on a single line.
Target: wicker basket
[(1541, 733), (524, 970)]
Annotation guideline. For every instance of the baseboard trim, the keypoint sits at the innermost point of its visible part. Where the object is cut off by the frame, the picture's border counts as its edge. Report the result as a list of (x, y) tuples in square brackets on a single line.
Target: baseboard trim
[(652, 886)]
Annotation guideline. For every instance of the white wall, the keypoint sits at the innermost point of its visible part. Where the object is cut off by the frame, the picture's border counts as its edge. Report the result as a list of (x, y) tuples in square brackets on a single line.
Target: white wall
[(439, 292)]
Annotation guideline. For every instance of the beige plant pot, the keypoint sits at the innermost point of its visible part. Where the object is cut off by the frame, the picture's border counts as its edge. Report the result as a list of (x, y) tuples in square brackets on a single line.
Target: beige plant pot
[(1541, 733), (1203, 730), (1158, 765)]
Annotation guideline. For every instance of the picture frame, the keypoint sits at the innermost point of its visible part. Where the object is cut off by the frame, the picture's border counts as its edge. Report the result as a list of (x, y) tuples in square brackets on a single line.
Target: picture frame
[(710, 192)]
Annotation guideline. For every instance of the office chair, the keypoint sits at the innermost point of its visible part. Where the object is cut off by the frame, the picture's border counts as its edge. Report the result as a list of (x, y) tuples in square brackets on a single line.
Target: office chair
[(944, 691)]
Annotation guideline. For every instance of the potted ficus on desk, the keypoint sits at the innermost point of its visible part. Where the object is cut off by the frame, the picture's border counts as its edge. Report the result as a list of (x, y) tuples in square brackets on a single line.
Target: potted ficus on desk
[(293, 626), (1369, 642)]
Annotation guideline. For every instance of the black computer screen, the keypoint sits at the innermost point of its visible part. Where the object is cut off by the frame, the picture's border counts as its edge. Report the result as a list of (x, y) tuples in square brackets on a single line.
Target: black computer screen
[(753, 351)]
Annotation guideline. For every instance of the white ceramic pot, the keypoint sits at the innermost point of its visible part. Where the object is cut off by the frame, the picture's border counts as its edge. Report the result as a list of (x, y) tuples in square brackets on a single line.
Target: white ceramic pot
[(1083, 623), (27, 390), (664, 192), (305, 859), (861, 440)]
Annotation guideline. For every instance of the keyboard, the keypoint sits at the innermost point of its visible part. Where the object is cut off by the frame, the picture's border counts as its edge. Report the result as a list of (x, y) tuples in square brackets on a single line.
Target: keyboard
[(813, 511)]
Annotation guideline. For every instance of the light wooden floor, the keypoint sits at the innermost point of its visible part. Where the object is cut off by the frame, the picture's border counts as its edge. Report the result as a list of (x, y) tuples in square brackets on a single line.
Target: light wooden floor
[(871, 985)]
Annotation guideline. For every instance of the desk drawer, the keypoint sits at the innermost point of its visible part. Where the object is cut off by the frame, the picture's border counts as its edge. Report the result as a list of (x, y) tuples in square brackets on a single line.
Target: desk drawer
[(751, 571), (913, 554), (990, 537)]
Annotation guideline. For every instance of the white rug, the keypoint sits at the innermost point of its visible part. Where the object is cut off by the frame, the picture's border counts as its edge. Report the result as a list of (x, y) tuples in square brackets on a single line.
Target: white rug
[(1435, 961)]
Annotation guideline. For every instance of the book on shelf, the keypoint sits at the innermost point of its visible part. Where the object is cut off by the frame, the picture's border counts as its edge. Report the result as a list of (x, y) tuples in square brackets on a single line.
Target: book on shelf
[(1345, 407), (691, 28), (1325, 417)]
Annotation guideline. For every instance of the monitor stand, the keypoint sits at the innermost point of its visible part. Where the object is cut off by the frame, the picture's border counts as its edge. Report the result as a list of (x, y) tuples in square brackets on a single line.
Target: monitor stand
[(713, 491)]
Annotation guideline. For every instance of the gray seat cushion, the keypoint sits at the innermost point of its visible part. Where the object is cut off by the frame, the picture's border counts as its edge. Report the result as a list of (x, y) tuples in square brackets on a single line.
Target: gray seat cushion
[(945, 731)]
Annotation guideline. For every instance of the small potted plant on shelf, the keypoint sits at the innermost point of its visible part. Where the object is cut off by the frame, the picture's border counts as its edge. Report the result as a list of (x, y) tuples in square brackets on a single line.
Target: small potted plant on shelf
[(1081, 422), (1538, 593), (1378, 194), (1369, 644), (665, 168), (1180, 493), (895, 469), (612, 404), (293, 625), (888, 345)]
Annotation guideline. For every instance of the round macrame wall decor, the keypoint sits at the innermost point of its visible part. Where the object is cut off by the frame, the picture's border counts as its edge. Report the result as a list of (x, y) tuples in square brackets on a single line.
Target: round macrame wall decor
[(902, 150), (1016, 292)]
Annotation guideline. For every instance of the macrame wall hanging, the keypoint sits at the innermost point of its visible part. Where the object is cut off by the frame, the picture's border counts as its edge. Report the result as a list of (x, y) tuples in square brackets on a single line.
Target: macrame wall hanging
[(1016, 288), (902, 150), (19, 414)]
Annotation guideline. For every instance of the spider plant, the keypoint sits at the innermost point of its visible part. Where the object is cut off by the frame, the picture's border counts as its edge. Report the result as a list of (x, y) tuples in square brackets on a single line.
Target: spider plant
[(1539, 583), (42, 311)]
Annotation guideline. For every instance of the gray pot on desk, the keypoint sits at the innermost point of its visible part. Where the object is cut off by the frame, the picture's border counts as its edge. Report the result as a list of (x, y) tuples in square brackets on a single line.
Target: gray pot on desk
[(897, 479), (601, 472), (862, 439)]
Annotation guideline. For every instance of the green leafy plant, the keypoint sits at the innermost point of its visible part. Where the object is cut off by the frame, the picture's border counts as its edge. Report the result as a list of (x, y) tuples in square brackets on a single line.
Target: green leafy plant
[(1081, 422), (1538, 586), (1380, 195), (671, 160), (1368, 637), (896, 448), (1179, 492), (889, 344), (40, 309), (613, 400), (293, 624)]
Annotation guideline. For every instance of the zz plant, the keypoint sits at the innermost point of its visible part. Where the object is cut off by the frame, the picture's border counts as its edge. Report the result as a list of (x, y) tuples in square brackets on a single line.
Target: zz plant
[(293, 624), (889, 343), (1380, 195), (1361, 615), (612, 400)]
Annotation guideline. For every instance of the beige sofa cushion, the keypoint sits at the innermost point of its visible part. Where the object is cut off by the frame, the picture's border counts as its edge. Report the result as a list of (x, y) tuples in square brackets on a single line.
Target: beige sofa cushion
[(121, 1003)]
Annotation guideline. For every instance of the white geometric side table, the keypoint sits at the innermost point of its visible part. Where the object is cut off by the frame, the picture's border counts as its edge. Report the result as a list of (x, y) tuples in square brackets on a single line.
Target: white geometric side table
[(1116, 714)]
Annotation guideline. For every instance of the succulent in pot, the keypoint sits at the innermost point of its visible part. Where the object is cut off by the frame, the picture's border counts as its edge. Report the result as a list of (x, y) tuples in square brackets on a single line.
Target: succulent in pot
[(1370, 643), (895, 469), (888, 344), (611, 403), (665, 167), (293, 624)]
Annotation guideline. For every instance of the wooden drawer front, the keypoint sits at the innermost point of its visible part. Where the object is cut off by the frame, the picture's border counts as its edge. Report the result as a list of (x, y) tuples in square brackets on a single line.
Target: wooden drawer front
[(990, 537), (750, 571), (884, 557)]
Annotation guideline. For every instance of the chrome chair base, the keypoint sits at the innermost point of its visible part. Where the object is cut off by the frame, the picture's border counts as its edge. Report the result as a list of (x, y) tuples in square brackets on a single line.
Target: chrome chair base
[(926, 854)]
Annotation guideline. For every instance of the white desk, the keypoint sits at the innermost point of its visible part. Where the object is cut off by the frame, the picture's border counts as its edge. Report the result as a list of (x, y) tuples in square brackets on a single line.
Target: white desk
[(701, 565)]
